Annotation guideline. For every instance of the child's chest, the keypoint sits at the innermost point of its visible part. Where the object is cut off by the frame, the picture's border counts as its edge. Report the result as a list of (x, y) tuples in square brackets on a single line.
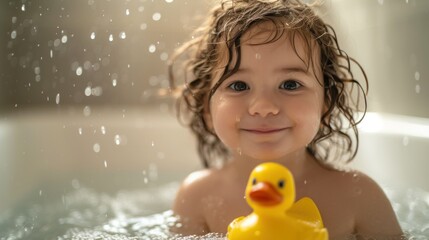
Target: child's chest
[(221, 207)]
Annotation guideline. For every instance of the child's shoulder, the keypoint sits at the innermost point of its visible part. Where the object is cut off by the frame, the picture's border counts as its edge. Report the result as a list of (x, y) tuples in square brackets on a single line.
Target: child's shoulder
[(198, 184), (352, 179), (371, 207), (202, 179), (189, 201), (359, 189)]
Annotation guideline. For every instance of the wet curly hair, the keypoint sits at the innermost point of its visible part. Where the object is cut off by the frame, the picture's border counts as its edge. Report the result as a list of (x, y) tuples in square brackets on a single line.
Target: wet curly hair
[(218, 40)]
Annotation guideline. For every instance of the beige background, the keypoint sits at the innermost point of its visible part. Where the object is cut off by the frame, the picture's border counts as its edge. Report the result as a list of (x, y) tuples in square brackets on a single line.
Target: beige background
[(43, 45)]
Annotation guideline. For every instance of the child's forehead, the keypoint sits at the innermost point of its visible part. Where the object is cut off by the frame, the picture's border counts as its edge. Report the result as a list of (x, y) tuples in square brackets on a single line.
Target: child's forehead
[(268, 32), (301, 45)]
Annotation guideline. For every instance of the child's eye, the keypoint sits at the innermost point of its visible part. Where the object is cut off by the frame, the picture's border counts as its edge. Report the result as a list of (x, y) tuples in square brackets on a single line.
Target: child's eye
[(238, 86), (290, 85)]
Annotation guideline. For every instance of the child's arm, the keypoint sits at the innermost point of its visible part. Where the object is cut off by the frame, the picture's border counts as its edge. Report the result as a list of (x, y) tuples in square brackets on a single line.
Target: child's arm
[(188, 206), (374, 214)]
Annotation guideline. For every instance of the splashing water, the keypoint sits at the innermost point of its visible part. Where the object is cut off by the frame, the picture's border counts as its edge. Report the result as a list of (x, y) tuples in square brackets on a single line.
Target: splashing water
[(83, 213)]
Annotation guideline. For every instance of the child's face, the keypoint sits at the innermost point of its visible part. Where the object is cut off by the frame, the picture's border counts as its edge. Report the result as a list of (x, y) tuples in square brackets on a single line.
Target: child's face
[(271, 108)]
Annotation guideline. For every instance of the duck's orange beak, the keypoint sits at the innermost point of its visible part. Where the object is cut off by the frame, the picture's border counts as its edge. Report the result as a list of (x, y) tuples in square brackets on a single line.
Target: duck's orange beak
[(265, 194)]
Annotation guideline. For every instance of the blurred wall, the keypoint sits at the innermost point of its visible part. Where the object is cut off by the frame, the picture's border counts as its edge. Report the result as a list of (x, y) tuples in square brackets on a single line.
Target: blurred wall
[(390, 39), (109, 52)]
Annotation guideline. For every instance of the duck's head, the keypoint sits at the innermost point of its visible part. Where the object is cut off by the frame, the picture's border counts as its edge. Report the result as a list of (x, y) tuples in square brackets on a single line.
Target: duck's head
[(270, 189)]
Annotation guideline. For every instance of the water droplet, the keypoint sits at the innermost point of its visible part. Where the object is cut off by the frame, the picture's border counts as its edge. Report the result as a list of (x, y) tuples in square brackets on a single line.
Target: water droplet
[(152, 48), (103, 130), (114, 82), (97, 91), (92, 36), (156, 16), (87, 65), (79, 71), (239, 151), (118, 139), (145, 180), (37, 70), (152, 143), (169, 1), (417, 76), (37, 78), (110, 38), (96, 147), (13, 34), (258, 56), (163, 56), (64, 39), (105, 163), (57, 42), (356, 177), (122, 35), (417, 88), (51, 53), (80, 131), (57, 98), (88, 91), (127, 11), (40, 193), (143, 26), (305, 181), (405, 141), (86, 111), (380, 2), (23, 7), (14, 19)]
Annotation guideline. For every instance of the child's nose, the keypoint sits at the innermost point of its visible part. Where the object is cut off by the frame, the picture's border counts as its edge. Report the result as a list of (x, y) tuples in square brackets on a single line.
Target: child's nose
[(263, 106)]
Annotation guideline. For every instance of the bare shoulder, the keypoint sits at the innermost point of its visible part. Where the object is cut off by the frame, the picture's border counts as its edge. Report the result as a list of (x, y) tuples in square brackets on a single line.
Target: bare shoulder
[(188, 204), (374, 215)]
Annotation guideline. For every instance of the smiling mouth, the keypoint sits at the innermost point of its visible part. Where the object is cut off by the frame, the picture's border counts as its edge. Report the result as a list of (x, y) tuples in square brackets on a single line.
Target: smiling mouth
[(265, 131)]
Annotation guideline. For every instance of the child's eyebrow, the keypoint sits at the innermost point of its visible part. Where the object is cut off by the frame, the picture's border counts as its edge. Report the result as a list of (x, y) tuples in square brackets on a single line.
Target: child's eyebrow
[(282, 70), (294, 69)]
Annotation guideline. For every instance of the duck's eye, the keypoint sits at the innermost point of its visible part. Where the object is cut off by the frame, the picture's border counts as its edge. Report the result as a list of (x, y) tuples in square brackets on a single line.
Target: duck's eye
[(281, 183), (254, 181)]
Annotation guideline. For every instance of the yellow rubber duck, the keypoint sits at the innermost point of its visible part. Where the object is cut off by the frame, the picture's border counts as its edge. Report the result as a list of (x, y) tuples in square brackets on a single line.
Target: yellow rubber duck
[(270, 192)]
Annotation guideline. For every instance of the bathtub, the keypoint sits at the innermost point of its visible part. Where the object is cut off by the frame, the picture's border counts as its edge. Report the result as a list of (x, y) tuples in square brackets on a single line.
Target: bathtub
[(134, 158)]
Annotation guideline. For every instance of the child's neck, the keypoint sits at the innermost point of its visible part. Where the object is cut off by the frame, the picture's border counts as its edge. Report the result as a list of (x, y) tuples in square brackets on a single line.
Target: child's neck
[(298, 163)]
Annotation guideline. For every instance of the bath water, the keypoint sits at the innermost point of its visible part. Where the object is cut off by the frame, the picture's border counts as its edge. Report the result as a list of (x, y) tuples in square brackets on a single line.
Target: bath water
[(82, 213)]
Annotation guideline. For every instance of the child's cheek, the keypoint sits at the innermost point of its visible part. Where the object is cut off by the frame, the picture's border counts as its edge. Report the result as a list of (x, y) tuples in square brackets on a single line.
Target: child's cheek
[(223, 115)]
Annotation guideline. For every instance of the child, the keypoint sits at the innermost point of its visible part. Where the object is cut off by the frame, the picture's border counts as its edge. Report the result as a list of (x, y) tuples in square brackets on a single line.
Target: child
[(270, 83)]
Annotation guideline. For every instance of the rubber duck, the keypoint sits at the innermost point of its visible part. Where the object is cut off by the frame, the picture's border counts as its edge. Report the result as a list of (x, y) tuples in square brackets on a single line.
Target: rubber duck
[(270, 192)]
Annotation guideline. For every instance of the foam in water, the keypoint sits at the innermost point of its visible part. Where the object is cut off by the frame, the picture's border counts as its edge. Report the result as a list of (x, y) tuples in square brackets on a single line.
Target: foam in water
[(145, 214)]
